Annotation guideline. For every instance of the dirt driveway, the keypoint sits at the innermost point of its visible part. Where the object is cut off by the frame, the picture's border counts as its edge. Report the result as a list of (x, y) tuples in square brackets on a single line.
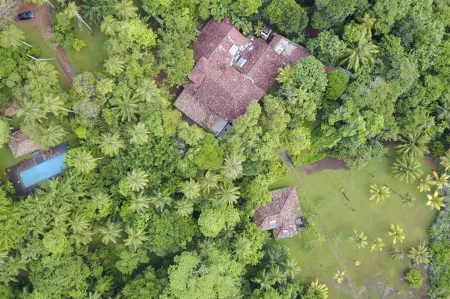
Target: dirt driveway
[(40, 25)]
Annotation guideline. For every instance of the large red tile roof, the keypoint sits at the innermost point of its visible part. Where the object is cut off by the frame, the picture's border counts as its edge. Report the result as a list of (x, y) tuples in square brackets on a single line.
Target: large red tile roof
[(219, 90)]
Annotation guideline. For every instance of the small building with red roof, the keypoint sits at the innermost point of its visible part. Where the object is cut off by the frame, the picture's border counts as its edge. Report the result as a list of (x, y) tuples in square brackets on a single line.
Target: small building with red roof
[(283, 215)]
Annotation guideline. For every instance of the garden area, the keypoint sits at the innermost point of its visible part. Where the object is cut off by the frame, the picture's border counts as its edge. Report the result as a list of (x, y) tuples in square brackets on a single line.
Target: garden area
[(341, 200)]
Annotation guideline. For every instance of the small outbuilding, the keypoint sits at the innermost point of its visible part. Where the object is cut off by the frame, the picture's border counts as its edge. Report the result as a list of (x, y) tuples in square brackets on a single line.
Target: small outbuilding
[(20, 144), (283, 214)]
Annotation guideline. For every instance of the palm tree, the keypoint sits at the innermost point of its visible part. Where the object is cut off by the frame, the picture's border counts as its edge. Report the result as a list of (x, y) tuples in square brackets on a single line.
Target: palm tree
[(53, 104), (104, 86), (443, 110), (419, 255), (148, 90), (413, 144), (72, 11), (52, 135), (101, 203), (210, 182), (377, 245), (136, 236), (359, 54), (31, 111), (263, 279), (291, 268), (397, 254), (111, 232), (435, 201), (440, 180), (425, 184), (276, 275), (42, 69), (61, 216), (127, 106), (114, 65), (136, 180), (241, 245), (79, 224), (111, 144), (408, 200), (162, 199), (108, 26), (125, 9), (379, 193), (12, 37), (139, 203), (83, 161), (407, 168), (232, 167), (397, 233), (286, 76), (184, 207), (320, 290), (138, 134), (339, 276), (191, 189), (359, 239), (227, 193), (445, 161)]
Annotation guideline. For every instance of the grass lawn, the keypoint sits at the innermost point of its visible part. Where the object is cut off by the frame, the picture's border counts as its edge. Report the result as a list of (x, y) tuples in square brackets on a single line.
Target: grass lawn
[(90, 58), (378, 276), (37, 40)]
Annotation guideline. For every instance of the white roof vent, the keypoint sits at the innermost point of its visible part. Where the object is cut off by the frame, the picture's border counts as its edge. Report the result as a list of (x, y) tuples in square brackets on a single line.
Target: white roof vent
[(241, 61)]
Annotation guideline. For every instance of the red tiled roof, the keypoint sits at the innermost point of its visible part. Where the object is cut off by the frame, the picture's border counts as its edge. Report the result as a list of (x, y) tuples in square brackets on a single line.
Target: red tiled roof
[(284, 210), (225, 90)]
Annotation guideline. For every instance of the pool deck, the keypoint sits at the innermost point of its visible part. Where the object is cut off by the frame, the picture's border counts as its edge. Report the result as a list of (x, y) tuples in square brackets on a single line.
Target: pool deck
[(36, 159)]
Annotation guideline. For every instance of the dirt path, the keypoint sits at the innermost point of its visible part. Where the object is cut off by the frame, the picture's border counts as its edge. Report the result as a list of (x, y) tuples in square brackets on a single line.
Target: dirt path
[(325, 163), (40, 25)]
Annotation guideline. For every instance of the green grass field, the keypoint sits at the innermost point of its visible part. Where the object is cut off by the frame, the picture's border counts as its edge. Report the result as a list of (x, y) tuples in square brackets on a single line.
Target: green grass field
[(378, 276), (90, 58)]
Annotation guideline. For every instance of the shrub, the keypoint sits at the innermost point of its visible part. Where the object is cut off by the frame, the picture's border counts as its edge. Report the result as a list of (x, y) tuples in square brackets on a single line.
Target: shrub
[(78, 44), (337, 84), (414, 278)]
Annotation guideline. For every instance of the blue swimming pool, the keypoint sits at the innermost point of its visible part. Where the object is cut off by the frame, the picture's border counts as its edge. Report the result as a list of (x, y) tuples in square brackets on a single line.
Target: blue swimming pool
[(42, 171)]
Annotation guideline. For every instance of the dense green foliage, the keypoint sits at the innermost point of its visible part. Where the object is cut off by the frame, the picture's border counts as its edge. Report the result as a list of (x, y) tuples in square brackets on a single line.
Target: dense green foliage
[(414, 278), (152, 207)]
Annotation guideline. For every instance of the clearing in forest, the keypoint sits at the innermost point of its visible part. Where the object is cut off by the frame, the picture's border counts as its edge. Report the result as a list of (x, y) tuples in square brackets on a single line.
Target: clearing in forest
[(378, 275)]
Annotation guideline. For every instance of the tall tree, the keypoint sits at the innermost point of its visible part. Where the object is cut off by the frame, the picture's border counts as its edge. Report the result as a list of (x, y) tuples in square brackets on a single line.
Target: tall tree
[(359, 54), (419, 254), (413, 144), (287, 15), (136, 236), (435, 201), (110, 233), (12, 37), (52, 135), (137, 179), (111, 144), (407, 168), (81, 160), (127, 106), (379, 193), (125, 9), (397, 234)]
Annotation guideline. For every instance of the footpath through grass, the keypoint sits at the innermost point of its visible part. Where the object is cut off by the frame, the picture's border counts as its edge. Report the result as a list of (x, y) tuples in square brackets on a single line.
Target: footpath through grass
[(378, 275)]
